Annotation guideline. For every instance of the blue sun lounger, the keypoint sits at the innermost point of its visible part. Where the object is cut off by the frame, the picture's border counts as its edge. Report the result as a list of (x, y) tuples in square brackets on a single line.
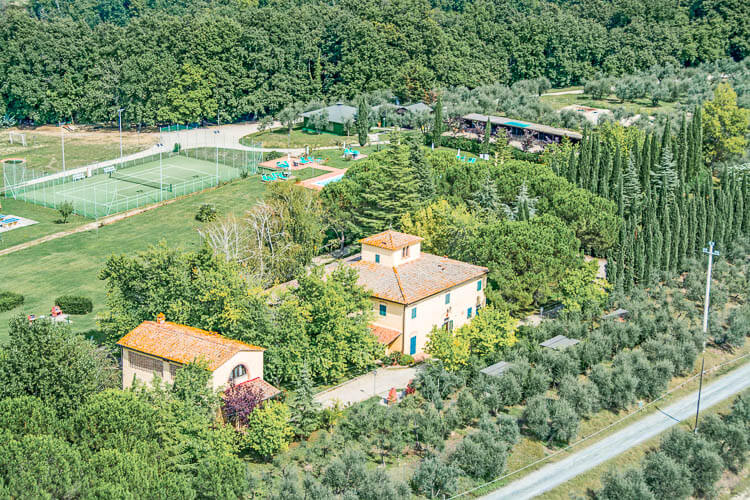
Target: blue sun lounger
[(472, 160), (9, 222)]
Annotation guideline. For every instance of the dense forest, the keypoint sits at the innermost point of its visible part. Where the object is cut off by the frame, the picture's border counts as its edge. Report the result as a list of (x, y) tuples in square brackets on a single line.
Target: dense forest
[(165, 59)]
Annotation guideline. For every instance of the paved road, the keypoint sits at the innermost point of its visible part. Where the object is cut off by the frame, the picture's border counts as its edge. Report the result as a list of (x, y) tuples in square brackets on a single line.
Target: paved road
[(365, 386), (564, 92), (555, 474)]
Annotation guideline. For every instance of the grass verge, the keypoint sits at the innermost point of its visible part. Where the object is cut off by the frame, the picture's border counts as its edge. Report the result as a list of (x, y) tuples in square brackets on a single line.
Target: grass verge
[(71, 265)]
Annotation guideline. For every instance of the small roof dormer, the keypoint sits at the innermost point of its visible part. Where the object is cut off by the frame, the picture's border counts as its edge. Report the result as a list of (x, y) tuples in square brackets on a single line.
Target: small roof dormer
[(391, 248), (391, 240)]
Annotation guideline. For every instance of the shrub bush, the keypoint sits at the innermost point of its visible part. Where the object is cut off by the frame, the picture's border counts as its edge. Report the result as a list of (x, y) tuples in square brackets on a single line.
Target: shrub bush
[(272, 155), (405, 360), (9, 300), (74, 304), (206, 213)]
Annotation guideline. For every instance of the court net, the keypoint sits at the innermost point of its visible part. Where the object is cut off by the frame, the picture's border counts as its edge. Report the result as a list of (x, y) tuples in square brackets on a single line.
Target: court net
[(142, 182)]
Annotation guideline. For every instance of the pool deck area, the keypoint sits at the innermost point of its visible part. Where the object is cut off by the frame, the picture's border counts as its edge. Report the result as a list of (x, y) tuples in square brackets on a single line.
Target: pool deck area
[(330, 172)]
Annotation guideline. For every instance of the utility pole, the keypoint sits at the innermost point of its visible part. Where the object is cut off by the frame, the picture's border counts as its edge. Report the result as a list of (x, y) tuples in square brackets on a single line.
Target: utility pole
[(62, 145), (216, 140), (711, 253), (119, 121), (161, 174)]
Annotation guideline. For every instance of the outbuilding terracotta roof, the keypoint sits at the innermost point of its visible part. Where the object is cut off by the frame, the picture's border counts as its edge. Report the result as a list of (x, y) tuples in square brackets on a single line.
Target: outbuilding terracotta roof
[(391, 240), (266, 390), (415, 280), (183, 344), (384, 335)]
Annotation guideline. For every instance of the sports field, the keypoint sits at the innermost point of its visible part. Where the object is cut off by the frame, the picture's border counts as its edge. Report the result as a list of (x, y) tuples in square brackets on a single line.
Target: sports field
[(129, 186)]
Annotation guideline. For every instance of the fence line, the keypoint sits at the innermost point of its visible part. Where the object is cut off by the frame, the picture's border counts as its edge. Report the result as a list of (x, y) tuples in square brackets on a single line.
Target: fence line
[(98, 199)]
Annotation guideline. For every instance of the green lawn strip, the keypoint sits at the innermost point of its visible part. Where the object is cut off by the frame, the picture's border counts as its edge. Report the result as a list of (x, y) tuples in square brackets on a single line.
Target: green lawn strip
[(335, 157), (590, 480), (642, 106), (44, 152), (527, 451), (45, 217), (71, 265), (308, 173), (280, 138)]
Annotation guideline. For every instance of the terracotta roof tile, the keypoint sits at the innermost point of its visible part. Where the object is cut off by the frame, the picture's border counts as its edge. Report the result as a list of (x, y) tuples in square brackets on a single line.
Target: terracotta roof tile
[(391, 240), (183, 344), (415, 280), (267, 390), (384, 335)]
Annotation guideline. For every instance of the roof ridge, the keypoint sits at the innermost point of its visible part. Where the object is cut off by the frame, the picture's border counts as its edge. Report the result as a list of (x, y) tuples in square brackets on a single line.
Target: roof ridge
[(400, 286), (200, 333)]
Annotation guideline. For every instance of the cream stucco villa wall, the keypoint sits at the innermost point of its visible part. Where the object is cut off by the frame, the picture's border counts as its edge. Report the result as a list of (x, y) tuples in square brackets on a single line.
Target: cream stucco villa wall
[(431, 312), (252, 360)]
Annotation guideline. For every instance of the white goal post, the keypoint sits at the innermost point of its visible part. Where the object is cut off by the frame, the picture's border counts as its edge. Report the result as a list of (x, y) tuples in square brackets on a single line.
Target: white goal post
[(17, 137)]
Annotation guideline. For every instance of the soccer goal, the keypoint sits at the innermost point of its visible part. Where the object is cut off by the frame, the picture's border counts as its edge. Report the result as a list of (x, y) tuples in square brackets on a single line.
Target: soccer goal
[(17, 138)]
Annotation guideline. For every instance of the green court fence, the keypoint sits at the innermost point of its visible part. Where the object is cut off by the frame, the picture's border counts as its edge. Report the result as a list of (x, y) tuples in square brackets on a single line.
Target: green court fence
[(95, 194), (177, 128)]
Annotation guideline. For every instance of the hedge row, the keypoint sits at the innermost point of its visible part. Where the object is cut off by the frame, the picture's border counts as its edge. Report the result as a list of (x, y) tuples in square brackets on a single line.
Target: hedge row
[(74, 304), (9, 300)]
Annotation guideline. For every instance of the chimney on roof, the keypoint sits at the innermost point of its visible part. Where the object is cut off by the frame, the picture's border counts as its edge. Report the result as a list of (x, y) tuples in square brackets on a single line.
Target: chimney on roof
[(160, 318)]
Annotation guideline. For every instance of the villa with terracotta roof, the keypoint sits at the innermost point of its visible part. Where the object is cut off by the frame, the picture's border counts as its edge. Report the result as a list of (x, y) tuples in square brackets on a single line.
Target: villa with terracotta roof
[(158, 348), (413, 291)]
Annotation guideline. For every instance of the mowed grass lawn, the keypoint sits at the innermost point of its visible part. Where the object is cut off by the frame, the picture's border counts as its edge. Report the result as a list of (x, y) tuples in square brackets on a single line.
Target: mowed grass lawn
[(43, 151), (280, 138), (47, 222), (71, 265)]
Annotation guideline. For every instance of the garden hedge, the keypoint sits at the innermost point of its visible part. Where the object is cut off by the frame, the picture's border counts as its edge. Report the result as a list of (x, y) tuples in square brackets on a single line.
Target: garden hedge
[(74, 304), (9, 300)]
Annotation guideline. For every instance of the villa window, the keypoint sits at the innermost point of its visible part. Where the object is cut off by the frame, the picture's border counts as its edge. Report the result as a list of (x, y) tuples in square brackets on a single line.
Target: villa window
[(146, 363), (447, 298), (405, 252), (468, 313), (377, 258), (413, 313), (448, 325), (237, 372), (479, 286), (383, 309)]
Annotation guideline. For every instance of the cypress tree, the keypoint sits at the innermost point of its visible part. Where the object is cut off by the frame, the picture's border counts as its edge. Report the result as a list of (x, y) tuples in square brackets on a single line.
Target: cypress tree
[(572, 174), (698, 120), (666, 224), (631, 188), (682, 150), (605, 174), (655, 153), (693, 231), (666, 136), (438, 125), (739, 209), (645, 162), (362, 121), (639, 258), (677, 237), (487, 135), (620, 198), (702, 224), (630, 258), (650, 249), (593, 168), (596, 168)]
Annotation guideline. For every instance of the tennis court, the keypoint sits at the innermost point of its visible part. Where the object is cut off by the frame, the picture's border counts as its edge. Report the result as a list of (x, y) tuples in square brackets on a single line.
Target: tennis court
[(123, 187)]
